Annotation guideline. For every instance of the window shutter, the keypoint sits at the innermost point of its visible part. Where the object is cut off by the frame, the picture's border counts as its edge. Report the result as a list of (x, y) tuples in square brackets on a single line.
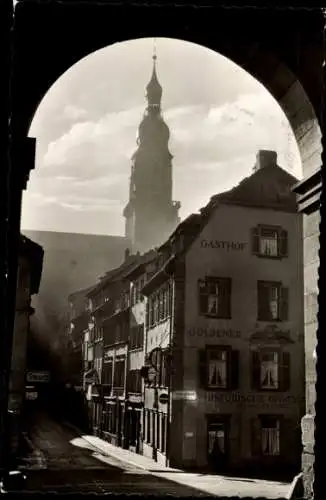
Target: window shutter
[(147, 314), (285, 372), (255, 437), (233, 369), (255, 233), (226, 300), (159, 366), (202, 297), (262, 301), (202, 367), (283, 243), (290, 438), (255, 370), (284, 303)]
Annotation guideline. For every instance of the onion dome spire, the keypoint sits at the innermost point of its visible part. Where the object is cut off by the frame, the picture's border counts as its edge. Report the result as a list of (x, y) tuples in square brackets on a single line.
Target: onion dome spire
[(154, 89)]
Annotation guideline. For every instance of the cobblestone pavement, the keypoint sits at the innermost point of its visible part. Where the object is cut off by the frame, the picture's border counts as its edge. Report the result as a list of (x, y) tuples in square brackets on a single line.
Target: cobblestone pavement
[(60, 461), (104, 481), (64, 461)]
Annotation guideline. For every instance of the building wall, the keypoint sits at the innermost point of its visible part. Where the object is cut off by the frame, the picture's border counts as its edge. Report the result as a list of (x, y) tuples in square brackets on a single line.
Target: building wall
[(232, 224), (156, 337), (311, 262), (21, 325)]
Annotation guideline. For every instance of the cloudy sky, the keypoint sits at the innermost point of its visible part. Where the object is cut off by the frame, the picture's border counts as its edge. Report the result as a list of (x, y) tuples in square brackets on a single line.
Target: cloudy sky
[(86, 128)]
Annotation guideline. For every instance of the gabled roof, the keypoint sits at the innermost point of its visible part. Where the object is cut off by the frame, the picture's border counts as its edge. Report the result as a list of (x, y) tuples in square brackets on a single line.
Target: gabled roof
[(83, 291), (269, 188), (144, 259), (114, 275)]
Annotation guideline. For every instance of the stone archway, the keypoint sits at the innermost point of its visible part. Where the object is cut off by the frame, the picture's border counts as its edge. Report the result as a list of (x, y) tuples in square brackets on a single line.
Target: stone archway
[(281, 49)]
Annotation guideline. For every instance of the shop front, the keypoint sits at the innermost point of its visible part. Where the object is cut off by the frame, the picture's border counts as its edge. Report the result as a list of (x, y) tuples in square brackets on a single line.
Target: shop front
[(155, 425), (113, 420), (235, 433)]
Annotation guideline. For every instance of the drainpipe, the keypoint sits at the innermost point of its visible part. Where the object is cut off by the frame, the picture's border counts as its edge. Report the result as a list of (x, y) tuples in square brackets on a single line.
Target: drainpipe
[(125, 438)]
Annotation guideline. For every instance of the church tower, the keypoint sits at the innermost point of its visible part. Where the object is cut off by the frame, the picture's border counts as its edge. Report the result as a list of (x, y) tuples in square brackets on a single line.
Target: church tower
[(151, 215)]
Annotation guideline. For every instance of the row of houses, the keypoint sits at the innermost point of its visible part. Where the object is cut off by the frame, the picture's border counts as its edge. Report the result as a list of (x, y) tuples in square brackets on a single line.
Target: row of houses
[(193, 353)]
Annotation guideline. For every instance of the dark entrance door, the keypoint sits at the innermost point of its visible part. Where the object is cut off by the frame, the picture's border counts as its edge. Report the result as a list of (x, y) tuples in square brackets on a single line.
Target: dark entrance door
[(134, 430), (217, 444)]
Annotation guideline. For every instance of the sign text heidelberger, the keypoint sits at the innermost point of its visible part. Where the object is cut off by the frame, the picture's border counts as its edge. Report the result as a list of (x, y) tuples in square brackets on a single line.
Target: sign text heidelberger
[(253, 399)]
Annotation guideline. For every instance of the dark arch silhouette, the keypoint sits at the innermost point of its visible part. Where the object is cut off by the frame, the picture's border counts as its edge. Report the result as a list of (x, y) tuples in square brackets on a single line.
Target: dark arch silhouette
[(275, 47), (281, 49)]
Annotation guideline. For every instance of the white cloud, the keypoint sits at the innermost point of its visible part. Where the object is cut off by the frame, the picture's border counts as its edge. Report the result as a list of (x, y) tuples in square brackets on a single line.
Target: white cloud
[(106, 137), (74, 113), (213, 148), (40, 199)]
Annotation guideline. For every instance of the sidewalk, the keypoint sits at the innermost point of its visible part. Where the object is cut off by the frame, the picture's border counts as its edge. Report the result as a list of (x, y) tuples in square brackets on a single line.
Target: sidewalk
[(206, 483), (123, 455)]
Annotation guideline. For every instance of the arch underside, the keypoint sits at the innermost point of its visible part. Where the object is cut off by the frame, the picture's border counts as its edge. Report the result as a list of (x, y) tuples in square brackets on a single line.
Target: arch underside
[(286, 57)]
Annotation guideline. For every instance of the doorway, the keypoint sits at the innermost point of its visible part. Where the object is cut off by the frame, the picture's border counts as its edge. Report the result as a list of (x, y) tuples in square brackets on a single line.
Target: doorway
[(218, 443)]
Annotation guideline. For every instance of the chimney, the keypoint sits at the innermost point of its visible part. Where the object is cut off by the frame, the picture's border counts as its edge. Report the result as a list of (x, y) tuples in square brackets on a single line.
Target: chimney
[(265, 158), (127, 254)]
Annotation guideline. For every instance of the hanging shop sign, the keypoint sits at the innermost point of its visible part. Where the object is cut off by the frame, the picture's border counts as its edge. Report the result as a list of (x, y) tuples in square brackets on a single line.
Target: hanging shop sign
[(163, 398)]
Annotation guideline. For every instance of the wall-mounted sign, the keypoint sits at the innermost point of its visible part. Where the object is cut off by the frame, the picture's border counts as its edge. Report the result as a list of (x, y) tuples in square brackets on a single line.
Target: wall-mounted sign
[(271, 333), (38, 376), (135, 399), (184, 395), (189, 434), (252, 399), (214, 333), (163, 398), (223, 245), (108, 356), (31, 395)]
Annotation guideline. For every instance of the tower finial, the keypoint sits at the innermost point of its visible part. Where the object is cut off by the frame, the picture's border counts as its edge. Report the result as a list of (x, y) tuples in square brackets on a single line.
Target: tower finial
[(154, 50)]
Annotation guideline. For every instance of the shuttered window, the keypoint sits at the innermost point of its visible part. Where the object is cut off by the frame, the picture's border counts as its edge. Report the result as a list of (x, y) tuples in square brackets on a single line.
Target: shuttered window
[(119, 372), (134, 382), (269, 241), (137, 336), (159, 305), (270, 436), (218, 368), (273, 301), (107, 371), (270, 370), (215, 297)]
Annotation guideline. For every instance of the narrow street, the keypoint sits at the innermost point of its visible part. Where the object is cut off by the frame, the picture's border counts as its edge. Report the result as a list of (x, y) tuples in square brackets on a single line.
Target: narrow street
[(63, 461)]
